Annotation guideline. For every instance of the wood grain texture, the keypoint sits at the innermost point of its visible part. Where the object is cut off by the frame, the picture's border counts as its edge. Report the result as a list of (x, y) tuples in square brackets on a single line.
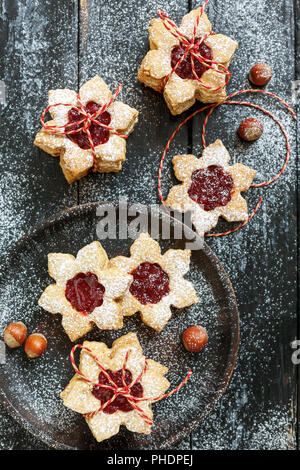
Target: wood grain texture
[(62, 44), (259, 409), (113, 42), (38, 52), (297, 104)]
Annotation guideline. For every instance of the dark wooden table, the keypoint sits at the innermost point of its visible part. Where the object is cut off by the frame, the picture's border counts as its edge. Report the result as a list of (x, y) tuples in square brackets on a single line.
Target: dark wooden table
[(62, 43)]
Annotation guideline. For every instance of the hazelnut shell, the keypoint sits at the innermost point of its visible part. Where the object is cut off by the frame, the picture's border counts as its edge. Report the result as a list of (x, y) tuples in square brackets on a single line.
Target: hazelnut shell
[(35, 345), (194, 338), (260, 74), (250, 129), (15, 334)]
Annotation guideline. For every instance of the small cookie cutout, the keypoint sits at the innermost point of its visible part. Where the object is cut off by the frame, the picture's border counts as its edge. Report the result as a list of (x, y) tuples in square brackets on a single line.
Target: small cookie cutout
[(77, 157), (156, 277), (224, 186), (92, 288), (81, 396)]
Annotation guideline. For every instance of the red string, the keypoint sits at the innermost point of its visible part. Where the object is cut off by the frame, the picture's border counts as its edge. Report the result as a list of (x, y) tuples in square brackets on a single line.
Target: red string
[(125, 390), (85, 122), (192, 47), (211, 108)]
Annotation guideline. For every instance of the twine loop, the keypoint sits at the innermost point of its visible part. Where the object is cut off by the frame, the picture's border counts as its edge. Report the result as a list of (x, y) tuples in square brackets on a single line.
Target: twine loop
[(211, 108), (82, 124), (124, 391)]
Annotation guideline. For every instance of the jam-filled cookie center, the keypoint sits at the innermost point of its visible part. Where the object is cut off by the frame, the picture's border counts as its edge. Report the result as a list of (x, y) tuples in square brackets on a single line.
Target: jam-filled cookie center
[(150, 283), (211, 187), (99, 134), (84, 292), (120, 403), (184, 69)]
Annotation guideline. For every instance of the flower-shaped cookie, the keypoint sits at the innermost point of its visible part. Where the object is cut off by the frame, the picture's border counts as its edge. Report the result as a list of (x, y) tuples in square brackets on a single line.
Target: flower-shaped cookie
[(86, 398), (180, 86), (210, 187), (85, 291), (157, 281), (107, 130)]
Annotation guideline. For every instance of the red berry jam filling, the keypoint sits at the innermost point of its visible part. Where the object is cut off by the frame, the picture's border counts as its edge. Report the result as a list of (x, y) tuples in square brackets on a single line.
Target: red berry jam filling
[(150, 283), (211, 187), (84, 292), (104, 394), (184, 69), (99, 134)]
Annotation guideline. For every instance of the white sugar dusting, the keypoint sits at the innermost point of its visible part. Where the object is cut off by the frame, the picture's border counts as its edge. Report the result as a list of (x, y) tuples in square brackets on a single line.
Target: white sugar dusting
[(263, 36), (270, 430)]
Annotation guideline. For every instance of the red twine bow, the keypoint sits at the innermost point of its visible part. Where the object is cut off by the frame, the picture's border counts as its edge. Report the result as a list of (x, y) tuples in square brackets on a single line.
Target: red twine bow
[(84, 123), (125, 390), (192, 47)]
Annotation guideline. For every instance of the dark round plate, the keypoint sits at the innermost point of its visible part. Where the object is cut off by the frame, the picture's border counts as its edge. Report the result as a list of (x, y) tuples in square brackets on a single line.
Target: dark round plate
[(30, 388)]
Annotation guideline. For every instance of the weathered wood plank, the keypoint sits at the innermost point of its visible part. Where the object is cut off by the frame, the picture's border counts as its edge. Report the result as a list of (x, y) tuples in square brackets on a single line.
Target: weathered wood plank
[(297, 104), (297, 38), (259, 409), (113, 43), (38, 51)]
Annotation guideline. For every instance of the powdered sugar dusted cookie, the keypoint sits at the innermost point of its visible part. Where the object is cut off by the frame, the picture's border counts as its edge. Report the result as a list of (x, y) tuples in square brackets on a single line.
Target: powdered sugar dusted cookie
[(124, 367), (85, 291), (99, 126), (157, 282), (187, 63), (210, 187)]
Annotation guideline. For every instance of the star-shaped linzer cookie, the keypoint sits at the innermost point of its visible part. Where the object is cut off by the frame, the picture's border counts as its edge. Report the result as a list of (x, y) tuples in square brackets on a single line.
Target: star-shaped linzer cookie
[(85, 291), (210, 188), (201, 74), (88, 130), (85, 398), (157, 281)]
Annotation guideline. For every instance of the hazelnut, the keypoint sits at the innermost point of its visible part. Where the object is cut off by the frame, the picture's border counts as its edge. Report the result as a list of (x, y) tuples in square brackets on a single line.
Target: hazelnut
[(15, 334), (35, 345), (194, 338), (260, 74), (250, 129)]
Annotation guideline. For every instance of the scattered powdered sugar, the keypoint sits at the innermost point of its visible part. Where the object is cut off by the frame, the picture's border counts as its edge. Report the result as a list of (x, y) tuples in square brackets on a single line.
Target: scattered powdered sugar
[(264, 33), (269, 429), (260, 259)]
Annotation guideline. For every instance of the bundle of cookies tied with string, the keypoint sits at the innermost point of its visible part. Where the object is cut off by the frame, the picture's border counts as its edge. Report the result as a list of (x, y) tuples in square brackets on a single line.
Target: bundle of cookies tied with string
[(88, 130), (188, 62)]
